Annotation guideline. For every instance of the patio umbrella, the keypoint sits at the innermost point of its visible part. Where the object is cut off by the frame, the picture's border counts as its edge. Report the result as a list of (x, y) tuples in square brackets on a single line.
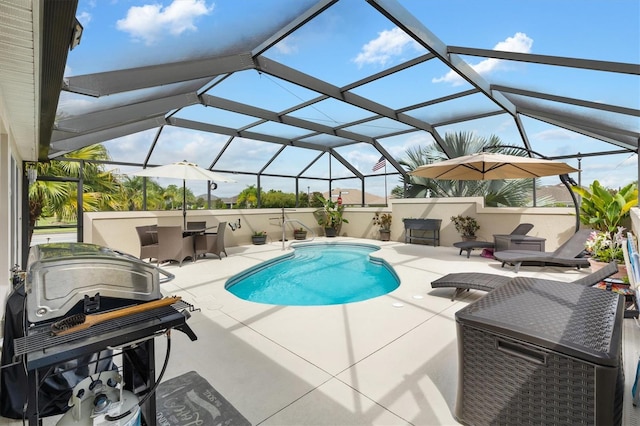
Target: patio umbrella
[(186, 171), (489, 166)]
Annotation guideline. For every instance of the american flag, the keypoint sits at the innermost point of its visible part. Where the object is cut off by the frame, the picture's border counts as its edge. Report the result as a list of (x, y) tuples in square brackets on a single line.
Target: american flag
[(382, 162)]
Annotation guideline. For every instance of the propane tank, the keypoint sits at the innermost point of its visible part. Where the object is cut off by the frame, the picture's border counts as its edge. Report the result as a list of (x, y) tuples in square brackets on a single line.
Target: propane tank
[(99, 396)]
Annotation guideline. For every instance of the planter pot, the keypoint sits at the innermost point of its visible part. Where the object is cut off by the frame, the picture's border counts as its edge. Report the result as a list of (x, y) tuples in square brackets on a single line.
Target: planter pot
[(259, 240), (330, 232), (300, 235), (596, 264), (469, 237), (385, 235)]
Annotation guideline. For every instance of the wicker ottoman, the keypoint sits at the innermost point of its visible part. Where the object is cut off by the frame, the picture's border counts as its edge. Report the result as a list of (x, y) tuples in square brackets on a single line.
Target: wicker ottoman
[(470, 280)]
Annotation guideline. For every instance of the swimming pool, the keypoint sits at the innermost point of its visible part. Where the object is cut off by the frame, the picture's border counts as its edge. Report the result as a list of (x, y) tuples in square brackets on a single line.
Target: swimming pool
[(317, 274)]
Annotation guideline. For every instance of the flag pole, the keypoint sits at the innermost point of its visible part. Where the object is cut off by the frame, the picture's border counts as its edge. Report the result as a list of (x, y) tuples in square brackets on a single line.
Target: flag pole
[(386, 203), (382, 162)]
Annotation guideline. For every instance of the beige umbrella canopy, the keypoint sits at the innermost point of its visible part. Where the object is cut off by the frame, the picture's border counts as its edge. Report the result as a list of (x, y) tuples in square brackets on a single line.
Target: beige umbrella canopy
[(186, 171), (183, 170), (489, 166)]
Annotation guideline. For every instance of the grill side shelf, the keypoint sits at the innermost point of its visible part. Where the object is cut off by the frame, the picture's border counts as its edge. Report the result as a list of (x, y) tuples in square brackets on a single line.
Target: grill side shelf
[(41, 347)]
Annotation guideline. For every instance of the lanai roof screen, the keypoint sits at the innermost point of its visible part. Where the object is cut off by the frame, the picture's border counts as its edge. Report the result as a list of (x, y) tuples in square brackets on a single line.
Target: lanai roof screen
[(320, 90)]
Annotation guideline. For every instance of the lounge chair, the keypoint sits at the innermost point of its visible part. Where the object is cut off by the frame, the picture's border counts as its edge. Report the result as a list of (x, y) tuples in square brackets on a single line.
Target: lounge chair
[(462, 281), (467, 246), (565, 255)]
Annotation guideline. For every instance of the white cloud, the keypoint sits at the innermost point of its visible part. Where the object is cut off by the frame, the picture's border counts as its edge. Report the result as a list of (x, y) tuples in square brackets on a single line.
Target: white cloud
[(631, 160), (286, 46), (152, 21), (611, 173), (71, 104), (555, 134), (84, 18), (388, 44), (518, 43)]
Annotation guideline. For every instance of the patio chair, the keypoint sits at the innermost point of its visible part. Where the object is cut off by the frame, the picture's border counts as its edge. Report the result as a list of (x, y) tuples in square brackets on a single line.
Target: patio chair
[(148, 242), (196, 225), (213, 243), (568, 254), (465, 281), (467, 246), (196, 229), (172, 245)]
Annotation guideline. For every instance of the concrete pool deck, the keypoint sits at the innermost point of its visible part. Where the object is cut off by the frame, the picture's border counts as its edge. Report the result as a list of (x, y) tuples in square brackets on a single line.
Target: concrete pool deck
[(388, 360)]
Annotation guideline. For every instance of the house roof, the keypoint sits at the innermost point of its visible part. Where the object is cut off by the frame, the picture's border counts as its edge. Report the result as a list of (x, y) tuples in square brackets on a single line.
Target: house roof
[(558, 193), (352, 196), (35, 39)]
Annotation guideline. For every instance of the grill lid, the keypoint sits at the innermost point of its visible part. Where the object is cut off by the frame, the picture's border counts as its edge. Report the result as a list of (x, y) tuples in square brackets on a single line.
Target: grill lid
[(59, 275)]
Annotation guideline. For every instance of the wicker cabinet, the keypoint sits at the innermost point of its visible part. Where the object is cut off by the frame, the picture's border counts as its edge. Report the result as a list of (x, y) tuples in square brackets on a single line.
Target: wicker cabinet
[(422, 231), (518, 242)]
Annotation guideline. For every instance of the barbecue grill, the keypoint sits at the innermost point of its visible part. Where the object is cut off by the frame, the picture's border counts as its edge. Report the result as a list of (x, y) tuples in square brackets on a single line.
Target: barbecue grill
[(64, 279)]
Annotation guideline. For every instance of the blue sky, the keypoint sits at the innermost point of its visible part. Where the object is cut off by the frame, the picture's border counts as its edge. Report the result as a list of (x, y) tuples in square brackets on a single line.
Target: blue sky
[(351, 41)]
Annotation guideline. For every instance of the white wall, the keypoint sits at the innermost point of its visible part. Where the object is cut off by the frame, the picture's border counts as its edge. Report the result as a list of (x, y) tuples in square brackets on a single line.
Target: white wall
[(10, 216), (117, 229), (5, 220)]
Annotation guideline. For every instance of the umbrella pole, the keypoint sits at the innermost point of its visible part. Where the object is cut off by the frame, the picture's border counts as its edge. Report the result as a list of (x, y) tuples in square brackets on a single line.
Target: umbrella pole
[(567, 181), (184, 204)]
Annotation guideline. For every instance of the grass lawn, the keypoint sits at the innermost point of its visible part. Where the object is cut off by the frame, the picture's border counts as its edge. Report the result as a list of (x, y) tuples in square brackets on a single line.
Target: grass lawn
[(51, 221)]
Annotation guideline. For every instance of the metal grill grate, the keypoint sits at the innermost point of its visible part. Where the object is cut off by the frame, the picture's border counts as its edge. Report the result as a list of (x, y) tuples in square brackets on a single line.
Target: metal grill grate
[(40, 338)]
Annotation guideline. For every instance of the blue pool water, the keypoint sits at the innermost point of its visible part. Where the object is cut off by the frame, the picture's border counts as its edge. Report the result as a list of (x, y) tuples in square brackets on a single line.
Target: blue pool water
[(317, 274)]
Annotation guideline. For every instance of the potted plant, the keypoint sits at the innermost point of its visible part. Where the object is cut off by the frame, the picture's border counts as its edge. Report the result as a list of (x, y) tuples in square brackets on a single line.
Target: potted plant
[(329, 216), (466, 226), (300, 234), (606, 211), (259, 237), (383, 221), (603, 248)]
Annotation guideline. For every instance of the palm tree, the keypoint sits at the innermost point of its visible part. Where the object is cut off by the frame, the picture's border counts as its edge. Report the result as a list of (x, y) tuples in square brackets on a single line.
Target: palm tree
[(59, 198), (248, 198), (172, 196), (132, 190), (512, 192)]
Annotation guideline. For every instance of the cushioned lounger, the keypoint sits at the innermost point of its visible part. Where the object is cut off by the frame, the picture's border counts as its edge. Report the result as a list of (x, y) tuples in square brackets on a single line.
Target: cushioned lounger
[(566, 255), (467, 246), (486, 282), (470, 280)]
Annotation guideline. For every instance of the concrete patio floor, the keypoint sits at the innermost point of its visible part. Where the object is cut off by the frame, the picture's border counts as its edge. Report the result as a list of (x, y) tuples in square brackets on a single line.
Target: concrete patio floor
[(388, 360)]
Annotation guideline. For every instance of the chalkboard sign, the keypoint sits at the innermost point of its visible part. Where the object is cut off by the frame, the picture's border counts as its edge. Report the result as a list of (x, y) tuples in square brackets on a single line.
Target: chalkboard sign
[(190, 400)]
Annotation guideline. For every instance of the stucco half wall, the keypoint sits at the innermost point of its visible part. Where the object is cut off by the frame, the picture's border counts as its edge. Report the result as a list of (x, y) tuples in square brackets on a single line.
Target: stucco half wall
[(555, 224)]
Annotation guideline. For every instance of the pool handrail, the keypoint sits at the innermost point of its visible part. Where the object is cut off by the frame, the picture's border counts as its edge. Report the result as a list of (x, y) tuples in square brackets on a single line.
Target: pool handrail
[(302, 225)]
